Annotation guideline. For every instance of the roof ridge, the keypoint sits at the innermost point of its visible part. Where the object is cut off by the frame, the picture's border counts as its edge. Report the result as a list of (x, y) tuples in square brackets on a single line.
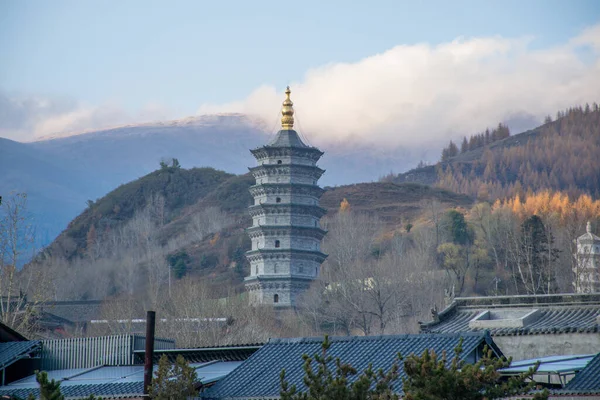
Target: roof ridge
[(528, 300), (319, 339)]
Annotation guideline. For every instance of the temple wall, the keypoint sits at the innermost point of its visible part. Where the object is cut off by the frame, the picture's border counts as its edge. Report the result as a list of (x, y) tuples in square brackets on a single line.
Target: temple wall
[(525, 347)]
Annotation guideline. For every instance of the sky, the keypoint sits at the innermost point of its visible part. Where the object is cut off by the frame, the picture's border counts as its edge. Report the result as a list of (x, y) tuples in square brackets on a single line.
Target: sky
[(384, 72)]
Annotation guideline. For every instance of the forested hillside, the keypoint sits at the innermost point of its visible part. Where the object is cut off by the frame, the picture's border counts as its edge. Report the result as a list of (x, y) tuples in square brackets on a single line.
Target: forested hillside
[(559, 155), (168, 190), (192, 222), (182, 232)]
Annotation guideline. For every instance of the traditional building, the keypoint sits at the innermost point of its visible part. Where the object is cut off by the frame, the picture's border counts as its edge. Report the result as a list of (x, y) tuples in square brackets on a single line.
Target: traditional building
[(587, 269), (286, 235), (259, 376), (529, 326)]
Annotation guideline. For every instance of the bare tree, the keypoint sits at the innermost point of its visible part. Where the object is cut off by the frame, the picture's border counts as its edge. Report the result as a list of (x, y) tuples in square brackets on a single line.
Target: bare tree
[(436, 212), (350, 238), (16, 244), (371, 292), (207, 221)]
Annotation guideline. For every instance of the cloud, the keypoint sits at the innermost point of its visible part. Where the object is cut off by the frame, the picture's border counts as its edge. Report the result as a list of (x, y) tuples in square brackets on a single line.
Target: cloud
[(19, 115), (415, 95), (25, 118)]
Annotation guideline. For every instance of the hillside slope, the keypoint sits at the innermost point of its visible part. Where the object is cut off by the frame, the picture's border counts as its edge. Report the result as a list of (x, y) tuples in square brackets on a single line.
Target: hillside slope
[(164, 217), (60, 174), (54, 188), (170, 190), (560, 155)]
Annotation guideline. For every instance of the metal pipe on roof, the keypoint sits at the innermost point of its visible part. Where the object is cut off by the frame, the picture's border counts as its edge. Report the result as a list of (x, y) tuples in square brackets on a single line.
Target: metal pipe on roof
[(150, 325)]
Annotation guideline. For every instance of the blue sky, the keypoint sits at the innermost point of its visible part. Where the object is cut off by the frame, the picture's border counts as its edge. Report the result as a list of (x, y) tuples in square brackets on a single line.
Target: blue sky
[(179, 55)]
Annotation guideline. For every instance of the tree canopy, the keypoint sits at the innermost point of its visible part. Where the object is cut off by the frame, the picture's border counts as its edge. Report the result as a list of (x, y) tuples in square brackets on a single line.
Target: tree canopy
[(428, 377)]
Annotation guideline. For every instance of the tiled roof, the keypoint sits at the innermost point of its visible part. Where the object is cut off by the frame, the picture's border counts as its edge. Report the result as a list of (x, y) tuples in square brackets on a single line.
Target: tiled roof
[(258, 377), (121, 389), (287, 138), (74, 311), (586, 381), (110, 381), (12, 351), (205, 354), (7, 334), (558, 314)]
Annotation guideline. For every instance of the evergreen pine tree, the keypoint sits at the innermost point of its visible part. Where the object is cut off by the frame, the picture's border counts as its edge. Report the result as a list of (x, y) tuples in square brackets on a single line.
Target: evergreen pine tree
[(49, 389), (430, 377), (324, 383), (173, 381), (464, 147)]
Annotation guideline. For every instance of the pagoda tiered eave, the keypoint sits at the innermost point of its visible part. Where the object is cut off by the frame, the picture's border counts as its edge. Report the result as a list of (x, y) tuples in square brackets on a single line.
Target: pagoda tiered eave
[(263, 152), (275, 254), (299, 209), (286, 188), (286, 170), (279, 278), (274, 230)]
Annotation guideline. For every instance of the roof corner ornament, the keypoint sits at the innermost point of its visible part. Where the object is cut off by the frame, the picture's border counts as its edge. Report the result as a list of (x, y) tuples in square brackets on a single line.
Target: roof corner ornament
[(287, 112), (435, 316)]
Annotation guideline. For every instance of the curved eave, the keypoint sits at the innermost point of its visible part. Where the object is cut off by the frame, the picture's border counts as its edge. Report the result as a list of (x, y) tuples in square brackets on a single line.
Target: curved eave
[(297, 167), (588, 238), (286, 251), (306, 231), (274, 277), (286, 227), (267, 149), (314, 210), (301, 186)]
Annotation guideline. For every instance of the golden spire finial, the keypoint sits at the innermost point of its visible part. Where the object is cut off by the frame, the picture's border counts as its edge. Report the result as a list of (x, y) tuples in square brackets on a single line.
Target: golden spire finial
[(287, 117)]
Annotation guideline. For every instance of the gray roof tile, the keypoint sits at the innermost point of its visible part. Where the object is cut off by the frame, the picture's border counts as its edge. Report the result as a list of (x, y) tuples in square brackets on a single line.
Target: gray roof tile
[(12, 351), (287, 138), (586, 381), (204, 354), (558, 314), (109, 381), (119, 389), (258, 377), (74, 311)]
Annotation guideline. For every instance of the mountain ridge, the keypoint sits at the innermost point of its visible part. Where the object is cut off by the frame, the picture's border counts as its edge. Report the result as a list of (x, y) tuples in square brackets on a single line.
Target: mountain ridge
[(559, 155), (87, 166)]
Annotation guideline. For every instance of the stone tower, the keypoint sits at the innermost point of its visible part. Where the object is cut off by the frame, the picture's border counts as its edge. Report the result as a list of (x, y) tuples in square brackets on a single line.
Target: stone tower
[(286, 234), (587, 271)]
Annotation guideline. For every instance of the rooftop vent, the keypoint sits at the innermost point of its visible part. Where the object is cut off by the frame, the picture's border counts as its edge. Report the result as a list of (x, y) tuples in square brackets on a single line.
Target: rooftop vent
[(504, 319)]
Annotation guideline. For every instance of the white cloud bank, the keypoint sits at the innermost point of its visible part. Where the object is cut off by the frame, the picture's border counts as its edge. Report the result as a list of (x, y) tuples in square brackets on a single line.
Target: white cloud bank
[(418, 94), (29, 118), (410, 95)]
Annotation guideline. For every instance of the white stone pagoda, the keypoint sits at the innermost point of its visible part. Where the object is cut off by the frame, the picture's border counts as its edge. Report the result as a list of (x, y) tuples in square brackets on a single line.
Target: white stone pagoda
[(286, 235), (587, 269)]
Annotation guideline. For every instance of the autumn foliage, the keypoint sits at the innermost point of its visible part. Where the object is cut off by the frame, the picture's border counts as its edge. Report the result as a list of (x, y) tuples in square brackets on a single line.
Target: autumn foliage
[(560, 156), (344, 205), (551, 204)]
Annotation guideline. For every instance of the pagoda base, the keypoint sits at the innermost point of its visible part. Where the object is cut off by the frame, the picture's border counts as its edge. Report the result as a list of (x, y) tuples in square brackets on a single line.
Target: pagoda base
[(279, 292)]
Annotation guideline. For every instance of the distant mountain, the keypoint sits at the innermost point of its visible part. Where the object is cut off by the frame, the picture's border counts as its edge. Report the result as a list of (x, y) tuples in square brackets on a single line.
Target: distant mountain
[(559, 155), (61, 173), (54, 188)]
